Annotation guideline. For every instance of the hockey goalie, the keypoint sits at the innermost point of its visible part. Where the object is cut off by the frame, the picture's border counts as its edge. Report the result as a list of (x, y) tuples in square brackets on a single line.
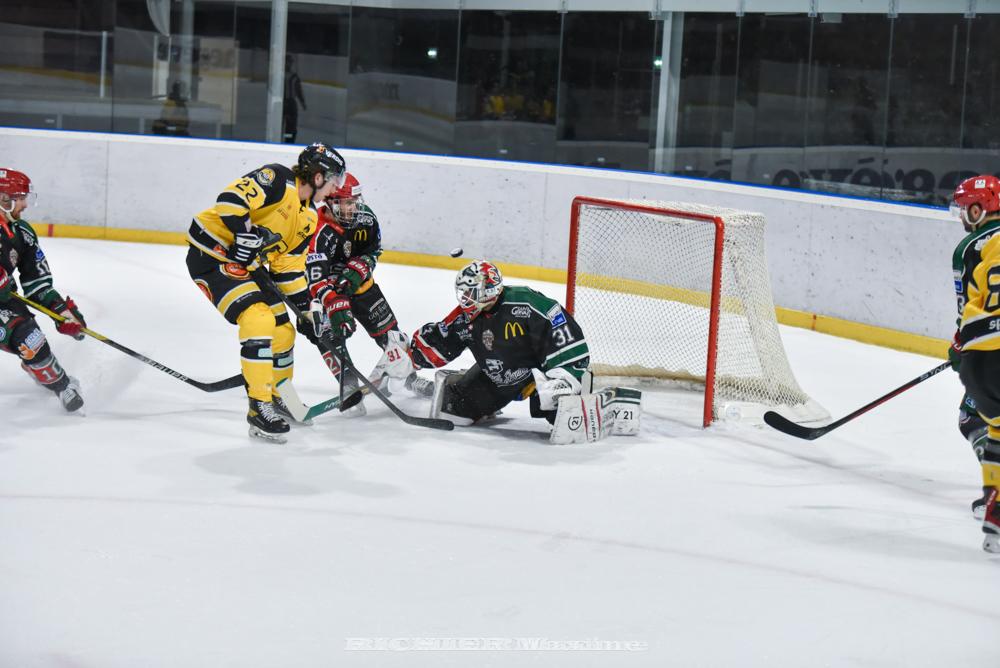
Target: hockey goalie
[(526, 346)]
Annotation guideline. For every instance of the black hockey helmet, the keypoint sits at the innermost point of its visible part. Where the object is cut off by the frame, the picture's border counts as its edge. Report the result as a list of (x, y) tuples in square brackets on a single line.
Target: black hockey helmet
[(318, 158)]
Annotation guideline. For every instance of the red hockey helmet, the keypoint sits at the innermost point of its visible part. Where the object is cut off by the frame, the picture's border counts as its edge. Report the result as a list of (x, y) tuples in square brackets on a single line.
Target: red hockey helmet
[(478, 286), (14, 185), (345, 199), (975, 199)]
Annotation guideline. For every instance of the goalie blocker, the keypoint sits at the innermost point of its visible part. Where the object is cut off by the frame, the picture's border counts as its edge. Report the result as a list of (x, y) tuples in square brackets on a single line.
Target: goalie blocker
[(577, 418)]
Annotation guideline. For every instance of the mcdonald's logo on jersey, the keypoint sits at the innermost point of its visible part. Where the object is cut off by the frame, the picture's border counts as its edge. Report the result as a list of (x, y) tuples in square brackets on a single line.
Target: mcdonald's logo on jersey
[(512, 330), (361, 235)]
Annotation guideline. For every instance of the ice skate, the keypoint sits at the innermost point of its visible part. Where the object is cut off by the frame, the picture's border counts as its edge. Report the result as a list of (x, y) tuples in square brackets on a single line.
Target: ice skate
[(70, 396), (282, 410), (979, 505), (265, 423)]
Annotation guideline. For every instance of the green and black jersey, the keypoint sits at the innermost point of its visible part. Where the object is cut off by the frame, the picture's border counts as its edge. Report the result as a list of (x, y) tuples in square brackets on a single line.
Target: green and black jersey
[(523, 330)]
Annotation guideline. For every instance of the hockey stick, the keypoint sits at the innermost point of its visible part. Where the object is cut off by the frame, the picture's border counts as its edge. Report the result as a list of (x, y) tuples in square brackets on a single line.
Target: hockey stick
[(301, 412), (217, 386), (263, 280), (783, 424)]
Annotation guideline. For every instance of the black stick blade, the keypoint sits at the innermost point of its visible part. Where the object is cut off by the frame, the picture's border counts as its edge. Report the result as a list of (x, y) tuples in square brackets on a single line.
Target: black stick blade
[(353, 399), (786, 426)]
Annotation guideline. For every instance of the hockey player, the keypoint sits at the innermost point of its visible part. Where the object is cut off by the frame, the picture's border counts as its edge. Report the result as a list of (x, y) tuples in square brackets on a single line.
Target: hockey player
[(19, 333), (525, 345), (341, 264), (266, 218), (980, 373), (976, 202)]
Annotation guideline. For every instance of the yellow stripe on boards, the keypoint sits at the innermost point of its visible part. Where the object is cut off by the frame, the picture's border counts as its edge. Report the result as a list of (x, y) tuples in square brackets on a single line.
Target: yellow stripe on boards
[(847, 329)]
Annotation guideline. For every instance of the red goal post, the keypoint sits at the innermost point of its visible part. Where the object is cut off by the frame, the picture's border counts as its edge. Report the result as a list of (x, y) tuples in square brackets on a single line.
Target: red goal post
[(680, 292)]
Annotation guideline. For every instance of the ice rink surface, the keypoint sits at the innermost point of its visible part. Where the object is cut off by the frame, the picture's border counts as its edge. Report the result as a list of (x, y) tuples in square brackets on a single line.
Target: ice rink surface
[(152, 532)]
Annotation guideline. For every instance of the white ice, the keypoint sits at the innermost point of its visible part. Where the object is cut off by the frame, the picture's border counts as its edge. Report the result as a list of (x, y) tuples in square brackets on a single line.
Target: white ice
[(152, 532)]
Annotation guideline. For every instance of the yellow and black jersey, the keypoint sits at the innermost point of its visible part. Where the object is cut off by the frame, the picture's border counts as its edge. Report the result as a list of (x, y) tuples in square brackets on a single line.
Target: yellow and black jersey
[(981, 315), (266, 197)]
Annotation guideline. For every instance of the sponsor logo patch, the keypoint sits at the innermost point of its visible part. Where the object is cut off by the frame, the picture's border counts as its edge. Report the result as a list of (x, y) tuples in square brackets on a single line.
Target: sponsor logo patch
[(235, 271), (488, 339), (512, 330), (13, 257), (574, 422), (521, 311), (265, 177), (347, 248), (556, 316), (39, 255), (31, 345), (315, 257)]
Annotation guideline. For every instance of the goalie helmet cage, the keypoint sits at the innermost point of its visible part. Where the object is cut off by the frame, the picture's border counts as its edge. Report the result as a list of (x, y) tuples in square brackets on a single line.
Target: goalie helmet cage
[(681, 292)]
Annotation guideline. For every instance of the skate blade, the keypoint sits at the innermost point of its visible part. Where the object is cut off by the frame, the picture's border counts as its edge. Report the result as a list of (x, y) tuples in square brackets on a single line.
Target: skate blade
[(262, 435)]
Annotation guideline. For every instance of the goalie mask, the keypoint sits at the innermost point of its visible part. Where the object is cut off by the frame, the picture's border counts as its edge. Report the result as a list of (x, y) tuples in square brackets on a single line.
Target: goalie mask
[(976, 200), (478, 287), (344, 201), (16, 192)]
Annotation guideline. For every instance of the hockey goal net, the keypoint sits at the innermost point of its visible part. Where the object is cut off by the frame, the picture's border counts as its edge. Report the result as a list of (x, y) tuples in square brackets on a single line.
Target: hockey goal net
[(681, 292)]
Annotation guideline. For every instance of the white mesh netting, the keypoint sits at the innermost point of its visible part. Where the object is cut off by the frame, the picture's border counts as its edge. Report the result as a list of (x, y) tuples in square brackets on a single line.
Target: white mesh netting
[(642, 294)]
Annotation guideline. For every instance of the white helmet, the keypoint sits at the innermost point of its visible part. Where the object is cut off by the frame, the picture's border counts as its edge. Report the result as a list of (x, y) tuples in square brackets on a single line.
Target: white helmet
[(478, 286)]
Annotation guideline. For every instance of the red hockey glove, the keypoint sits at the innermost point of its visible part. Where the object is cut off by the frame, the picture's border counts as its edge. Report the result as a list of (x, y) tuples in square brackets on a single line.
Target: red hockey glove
[(74, 322), (338, 309), (955, 352), (355, 273), (6, 285)]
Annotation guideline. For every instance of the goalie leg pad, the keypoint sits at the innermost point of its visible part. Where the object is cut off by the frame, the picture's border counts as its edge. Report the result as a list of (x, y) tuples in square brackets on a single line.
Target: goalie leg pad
[(625, 405), (442, 400), (466, 397), (591, 417), (580, 419)]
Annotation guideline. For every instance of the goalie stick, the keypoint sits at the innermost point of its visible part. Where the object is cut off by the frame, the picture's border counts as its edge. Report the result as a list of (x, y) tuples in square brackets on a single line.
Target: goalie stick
[(217, 386), (264, 281), (784, 425)]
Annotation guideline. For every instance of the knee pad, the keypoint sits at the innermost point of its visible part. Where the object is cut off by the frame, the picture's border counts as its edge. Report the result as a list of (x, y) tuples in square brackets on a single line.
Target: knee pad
[(283, 338), (256, 321)]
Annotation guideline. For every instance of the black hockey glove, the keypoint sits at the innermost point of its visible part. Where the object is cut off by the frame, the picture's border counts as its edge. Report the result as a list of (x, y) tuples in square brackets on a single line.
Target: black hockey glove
[(246, 247), (6, 285)]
